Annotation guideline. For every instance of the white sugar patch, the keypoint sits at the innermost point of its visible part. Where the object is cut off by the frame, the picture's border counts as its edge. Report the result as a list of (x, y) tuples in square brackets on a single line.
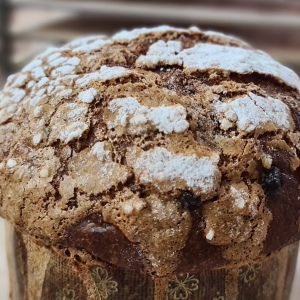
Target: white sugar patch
[(73, 61), (50, 89), (133, 205), (87, 96), (64, 93), (73, 131), (11, 109), (136, 117), (30, 84), (17, 95), (34, 101), (69, 122), (161, 165), (38, 111), (37, 138), (54, 56), (83, 41), (234, 59), (63, 70), (252, 111), (42, 82), (48, 52), (97, 45), (106, 73), (45, 172), (241, 197), (40, 92), (100, 152), (38, 73), (205, 57), (11, 96), (11, 163), (35, 63), (210, 235), (211, 33), (76, 111), (135, 33), (161, 52), (87, 44), (64, 61), (58, 61), (88, 78), (17, 80)]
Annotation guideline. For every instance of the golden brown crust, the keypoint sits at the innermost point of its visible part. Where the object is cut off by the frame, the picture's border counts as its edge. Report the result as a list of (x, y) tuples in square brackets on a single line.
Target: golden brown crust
[(170, 149)]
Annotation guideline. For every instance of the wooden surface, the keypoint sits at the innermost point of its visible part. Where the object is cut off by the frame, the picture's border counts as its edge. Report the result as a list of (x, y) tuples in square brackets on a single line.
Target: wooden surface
[(168, 12)]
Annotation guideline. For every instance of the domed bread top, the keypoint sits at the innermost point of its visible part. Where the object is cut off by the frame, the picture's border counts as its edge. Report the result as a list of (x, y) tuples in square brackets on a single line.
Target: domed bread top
[(159, 149)]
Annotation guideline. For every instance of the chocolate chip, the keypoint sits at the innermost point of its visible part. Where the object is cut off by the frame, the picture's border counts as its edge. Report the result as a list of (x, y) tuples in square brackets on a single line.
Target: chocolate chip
[(189, 201), (272, 180)]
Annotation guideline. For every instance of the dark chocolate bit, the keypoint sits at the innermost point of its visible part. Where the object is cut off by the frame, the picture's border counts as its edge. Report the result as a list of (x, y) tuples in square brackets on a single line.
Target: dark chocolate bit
[(284, 205), (189, 201), (272, 180), (105, 241)]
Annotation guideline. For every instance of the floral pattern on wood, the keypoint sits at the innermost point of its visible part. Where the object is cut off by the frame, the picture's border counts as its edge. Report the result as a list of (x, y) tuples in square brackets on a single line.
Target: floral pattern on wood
[(66, 294), (270, 286), (249, 272), (219, 298), (105, 284), (181, 289)]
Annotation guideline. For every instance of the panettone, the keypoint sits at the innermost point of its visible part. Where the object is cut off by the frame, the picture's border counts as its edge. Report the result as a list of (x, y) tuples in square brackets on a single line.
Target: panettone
[(159, 150)]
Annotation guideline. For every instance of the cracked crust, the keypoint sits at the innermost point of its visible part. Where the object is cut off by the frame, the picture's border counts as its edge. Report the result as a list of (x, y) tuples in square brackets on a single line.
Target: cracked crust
[(136, 143)]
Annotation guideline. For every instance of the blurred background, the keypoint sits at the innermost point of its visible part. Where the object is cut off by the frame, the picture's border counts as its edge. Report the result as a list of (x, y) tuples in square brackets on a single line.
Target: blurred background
[(29, 26)]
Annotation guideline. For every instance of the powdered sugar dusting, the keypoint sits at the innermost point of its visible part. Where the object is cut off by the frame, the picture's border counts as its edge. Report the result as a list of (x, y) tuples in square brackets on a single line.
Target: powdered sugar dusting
[(210, 234), (87, 96), (138, 118), (106, 73), (35, 63), (73, 131), (11, 163), (135, 33), (69, 122), (209, 56), (58, 61), (38, 73), (132, 206), (17, 80), (48, 52), (213, 34), (37, 138), (42, 82), (241, 197), (160, 52), (88, 78), (112, 72), (63, 70), (65, 93), (253, 111), (99, 150), (87, 44), (10, 96), (164, 169)]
